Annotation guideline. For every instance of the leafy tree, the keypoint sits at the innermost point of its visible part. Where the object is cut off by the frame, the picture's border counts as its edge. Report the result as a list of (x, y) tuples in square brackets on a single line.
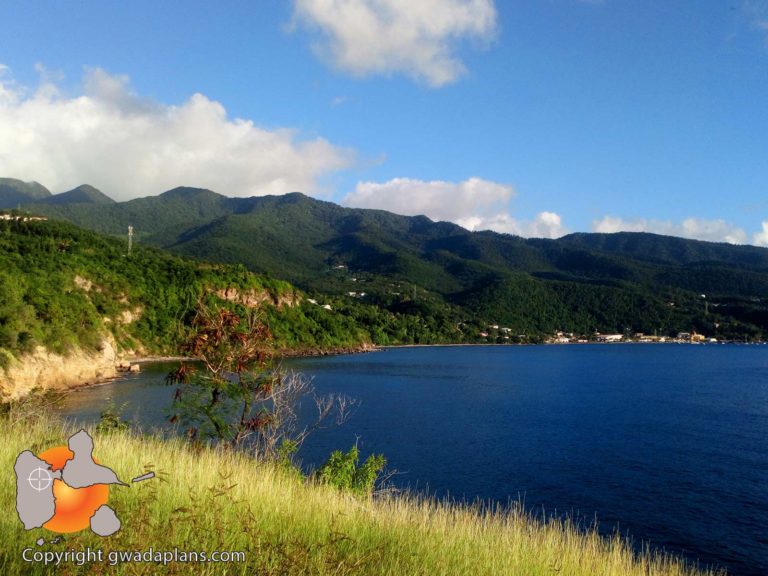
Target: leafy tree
[(236, 393)]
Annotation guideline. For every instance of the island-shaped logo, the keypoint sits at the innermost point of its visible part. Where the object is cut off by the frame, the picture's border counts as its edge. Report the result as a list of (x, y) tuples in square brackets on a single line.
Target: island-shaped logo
[(65, 490)]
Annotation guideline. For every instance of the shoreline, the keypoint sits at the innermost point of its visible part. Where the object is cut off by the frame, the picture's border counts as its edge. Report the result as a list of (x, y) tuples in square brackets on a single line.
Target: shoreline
[(333, 351), (122, 366), (497, 344), (149, 359)]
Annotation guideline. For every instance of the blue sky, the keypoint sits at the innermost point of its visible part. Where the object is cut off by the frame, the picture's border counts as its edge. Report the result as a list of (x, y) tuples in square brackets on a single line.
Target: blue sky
[(536, 117)]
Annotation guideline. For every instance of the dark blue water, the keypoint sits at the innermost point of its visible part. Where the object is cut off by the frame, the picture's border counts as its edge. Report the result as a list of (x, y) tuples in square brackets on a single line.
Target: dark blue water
[(669, 443)]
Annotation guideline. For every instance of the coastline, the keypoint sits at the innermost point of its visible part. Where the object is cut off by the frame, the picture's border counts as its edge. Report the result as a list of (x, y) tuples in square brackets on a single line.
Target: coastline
[(46, 371), (594, 343), (333, 351), (150, 359), (51, 372), (43, 371)]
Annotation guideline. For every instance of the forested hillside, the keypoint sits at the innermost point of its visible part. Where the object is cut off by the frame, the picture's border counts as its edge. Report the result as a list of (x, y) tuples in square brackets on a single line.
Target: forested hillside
[(408, 279), (65, 288)]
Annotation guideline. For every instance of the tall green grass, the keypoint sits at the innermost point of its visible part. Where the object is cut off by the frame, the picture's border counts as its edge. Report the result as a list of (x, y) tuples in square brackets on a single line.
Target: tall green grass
[(208, 500)]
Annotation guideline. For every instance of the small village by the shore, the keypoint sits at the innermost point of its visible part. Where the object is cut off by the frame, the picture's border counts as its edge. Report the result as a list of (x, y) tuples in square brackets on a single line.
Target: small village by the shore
[(503, 335)]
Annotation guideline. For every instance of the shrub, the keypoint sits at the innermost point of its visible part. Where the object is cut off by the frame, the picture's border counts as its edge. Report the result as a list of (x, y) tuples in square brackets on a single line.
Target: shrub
[(342, 471), (111, 421)]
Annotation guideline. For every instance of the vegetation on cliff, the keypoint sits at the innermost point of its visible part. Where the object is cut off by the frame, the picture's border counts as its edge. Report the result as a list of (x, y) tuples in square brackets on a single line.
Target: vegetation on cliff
[(65, 288)]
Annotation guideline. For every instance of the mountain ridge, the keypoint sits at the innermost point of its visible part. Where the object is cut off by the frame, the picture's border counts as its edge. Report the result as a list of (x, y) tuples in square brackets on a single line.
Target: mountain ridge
[(329, 249), (83, 194)]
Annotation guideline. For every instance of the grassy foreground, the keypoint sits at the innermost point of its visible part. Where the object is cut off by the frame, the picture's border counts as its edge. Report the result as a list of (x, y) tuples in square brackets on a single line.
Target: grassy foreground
[(216, 501)]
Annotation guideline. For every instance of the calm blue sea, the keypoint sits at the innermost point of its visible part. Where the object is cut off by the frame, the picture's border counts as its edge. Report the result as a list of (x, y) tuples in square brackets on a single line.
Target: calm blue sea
[(666, 443)]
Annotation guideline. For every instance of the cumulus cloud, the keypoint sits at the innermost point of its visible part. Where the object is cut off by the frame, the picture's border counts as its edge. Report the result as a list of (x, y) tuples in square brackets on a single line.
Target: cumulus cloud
[(761, 238), (544, 225), (437, 199), (695, 228), (130, 146), (475, 204), (417, 38)]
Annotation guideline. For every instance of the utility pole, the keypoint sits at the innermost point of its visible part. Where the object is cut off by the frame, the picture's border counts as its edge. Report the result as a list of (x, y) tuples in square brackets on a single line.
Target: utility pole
[(130, 239)]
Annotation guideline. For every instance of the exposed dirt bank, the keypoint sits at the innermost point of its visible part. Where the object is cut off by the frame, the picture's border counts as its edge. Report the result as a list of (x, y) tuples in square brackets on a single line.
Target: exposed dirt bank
[(44, 370)]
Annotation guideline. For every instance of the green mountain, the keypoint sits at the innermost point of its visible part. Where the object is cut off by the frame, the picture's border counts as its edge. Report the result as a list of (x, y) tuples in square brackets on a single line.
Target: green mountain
[(15, 192), (84, 194), (444, 283)]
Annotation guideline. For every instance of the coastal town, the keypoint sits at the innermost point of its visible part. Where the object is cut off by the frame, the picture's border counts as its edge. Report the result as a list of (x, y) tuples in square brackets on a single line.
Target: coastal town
[(503, 335)]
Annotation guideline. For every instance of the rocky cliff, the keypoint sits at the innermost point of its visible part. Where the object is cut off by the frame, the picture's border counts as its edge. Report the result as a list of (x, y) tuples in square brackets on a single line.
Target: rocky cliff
[(44, 370)]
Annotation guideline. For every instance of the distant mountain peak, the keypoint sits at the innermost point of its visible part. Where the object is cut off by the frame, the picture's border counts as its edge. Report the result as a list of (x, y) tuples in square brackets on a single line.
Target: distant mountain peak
[(187, 191), (14, 192), (83, 194), (295, 196), (31, 188), (85, 188)]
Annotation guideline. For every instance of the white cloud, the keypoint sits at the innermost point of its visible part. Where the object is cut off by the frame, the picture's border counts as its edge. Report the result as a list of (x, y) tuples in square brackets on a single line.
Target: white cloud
[(475, 204), (695, 228), (130, 146), (415, 37), (338, 101), (761, 238), (544, 225), (756, 12), (437, 199)]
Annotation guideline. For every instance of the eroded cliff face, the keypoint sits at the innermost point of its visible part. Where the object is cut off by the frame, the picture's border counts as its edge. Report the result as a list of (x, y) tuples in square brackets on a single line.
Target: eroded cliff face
[(45, 370), (255, 298)]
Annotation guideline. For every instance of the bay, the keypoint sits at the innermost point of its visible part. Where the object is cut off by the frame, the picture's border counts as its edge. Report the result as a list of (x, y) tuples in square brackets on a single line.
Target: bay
[(666, 443)]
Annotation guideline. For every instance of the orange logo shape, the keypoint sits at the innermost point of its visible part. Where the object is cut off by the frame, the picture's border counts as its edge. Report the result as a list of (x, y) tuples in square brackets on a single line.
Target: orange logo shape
[(74, 506)]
